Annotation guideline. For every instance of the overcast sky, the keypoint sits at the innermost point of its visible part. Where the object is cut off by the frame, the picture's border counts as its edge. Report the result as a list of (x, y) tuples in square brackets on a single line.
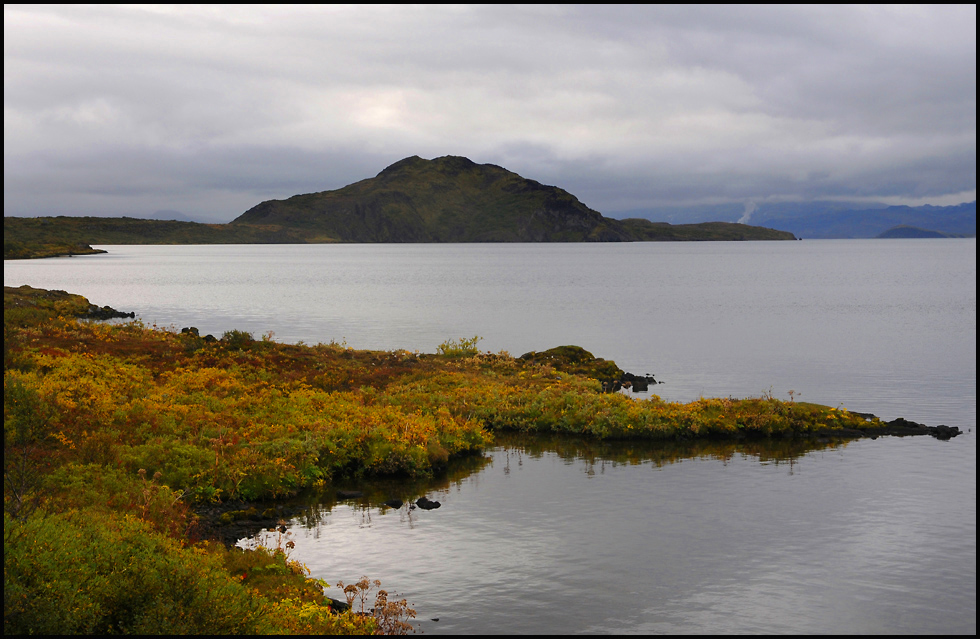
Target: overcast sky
[(210, 110)]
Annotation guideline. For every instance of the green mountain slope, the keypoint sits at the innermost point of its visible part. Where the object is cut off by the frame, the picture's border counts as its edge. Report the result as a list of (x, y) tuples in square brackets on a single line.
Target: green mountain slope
[(448, 199)]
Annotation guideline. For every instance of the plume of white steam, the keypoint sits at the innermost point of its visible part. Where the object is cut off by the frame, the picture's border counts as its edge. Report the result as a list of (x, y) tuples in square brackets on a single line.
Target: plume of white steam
[(750, 208)]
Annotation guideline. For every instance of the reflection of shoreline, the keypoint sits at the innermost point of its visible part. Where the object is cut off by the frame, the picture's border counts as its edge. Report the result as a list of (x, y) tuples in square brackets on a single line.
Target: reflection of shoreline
[(661, 453), (312, 505), (368, 496)]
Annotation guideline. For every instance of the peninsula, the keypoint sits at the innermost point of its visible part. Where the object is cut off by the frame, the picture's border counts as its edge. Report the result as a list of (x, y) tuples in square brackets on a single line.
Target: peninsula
[(447, 199)]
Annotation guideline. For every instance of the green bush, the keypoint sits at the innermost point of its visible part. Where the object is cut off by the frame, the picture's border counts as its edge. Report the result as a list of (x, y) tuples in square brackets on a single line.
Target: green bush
[(462, 348), (235, 339), (88, 573)]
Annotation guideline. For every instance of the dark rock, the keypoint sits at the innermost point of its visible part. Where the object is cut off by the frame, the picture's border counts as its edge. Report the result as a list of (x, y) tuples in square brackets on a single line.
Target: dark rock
[(637, 383), (425, 504), (902, 427), (349, 494), (104, 313), (945, 432), (394, 503), (337, 605)]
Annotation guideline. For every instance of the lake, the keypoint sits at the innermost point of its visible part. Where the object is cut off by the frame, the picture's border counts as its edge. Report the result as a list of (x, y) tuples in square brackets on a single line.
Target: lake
[(551, 536)]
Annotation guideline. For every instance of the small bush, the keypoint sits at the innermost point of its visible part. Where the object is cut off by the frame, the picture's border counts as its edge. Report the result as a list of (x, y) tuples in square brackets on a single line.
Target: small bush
[(461, 348), (237, 340)]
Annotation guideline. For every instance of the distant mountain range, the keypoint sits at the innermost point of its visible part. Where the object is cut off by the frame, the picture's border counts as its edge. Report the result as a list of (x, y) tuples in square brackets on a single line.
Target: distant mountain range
[(448, 199), (959, 220), (829, 220)]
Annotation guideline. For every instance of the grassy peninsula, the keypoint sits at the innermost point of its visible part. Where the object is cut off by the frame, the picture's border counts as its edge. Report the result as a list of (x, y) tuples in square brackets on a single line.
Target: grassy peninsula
[(447, 199), (31, 250), (116, 437)]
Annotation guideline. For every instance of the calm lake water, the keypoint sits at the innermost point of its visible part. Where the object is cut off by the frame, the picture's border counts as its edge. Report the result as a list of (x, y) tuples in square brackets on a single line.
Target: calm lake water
[(557, 536)]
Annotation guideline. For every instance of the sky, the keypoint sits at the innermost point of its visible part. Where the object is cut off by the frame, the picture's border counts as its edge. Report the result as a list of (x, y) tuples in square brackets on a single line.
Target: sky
[(208, 111)]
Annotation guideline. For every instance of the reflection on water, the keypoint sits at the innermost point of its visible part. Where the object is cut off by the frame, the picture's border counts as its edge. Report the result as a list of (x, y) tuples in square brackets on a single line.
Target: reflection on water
[(565, 535), (589, 455), (591, 452)]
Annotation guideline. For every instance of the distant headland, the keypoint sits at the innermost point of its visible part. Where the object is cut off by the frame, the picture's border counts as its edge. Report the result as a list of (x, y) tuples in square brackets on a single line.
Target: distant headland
[(447, 199)]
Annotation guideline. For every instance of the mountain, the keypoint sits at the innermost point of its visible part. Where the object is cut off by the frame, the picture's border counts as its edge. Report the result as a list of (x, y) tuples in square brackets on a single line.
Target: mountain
[(448, 199), (453, 199)]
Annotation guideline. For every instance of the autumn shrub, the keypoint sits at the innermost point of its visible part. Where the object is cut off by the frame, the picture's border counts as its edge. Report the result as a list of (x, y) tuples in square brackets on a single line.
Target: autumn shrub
[(29, 448), (85, 573), (236, 339), (103, 490), (459, 348), (88, 572)]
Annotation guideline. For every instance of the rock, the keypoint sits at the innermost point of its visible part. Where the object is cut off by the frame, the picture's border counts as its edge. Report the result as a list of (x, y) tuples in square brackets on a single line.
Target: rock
[(903, 427), (337, 605), (425, 504), (104, 313)]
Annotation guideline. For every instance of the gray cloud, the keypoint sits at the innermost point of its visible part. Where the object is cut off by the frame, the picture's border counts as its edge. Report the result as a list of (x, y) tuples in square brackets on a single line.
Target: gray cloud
[(209, 110)]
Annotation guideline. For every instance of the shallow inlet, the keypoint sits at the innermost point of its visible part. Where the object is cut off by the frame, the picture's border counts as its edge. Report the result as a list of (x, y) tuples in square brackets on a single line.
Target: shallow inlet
[(563, 535)]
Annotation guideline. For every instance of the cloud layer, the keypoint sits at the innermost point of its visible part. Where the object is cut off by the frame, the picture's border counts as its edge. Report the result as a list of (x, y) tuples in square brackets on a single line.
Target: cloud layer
[(124, 111)]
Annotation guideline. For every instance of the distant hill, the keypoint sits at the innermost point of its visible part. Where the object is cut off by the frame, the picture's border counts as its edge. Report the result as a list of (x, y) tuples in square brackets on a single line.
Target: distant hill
[(453, 199), (903, 231), (448, 199)]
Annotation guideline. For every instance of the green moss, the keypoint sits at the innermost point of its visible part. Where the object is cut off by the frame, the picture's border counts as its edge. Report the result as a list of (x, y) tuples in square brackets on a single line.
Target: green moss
[(575, 360)]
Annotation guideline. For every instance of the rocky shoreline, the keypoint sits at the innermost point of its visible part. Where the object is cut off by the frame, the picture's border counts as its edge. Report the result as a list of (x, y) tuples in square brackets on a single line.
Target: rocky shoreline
[(899, 427)]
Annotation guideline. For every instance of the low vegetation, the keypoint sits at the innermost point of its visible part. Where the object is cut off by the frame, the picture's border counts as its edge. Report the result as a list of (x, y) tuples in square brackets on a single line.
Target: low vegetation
[(115, 434)]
